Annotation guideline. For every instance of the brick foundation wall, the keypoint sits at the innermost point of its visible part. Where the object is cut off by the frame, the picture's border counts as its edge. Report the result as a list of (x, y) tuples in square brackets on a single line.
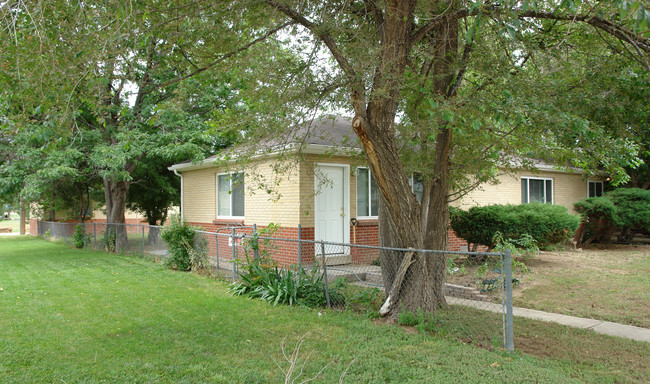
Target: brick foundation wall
[(287, 249)]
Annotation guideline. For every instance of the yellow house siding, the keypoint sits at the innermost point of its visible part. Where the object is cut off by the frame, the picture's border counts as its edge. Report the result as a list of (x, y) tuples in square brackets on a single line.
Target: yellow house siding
[(260, 207), (200, 195), (281, 205), (567, 189)]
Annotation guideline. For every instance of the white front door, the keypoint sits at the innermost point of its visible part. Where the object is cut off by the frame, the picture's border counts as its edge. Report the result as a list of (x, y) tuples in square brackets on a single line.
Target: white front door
[(331, 207)]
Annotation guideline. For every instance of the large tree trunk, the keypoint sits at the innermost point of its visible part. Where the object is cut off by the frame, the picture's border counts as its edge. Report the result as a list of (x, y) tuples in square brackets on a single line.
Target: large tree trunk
[(412, 280), (115, 193), (416, 281)]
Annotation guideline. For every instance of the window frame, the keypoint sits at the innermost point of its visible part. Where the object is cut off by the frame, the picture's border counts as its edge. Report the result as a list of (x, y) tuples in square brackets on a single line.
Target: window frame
[(369, 213), (230, 200), (412, 179), (545, 179), (602, 187)]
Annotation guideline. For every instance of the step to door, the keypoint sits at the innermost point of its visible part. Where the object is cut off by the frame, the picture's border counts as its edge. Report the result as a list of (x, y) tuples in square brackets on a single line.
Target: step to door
[(338, 259)]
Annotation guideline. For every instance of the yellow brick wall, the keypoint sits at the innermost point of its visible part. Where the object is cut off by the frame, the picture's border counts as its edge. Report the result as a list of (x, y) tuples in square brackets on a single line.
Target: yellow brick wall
[(291, 198), (273, 196), (567, 189), (270, 197), (307, 185), (200, 195)]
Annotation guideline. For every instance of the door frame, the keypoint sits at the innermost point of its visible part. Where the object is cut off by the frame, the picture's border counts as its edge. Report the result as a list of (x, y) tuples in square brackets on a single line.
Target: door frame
[(346, 201)]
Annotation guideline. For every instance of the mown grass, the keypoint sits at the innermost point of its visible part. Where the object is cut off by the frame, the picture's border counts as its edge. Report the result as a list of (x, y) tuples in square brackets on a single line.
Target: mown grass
[(77, 316), (14, 224)]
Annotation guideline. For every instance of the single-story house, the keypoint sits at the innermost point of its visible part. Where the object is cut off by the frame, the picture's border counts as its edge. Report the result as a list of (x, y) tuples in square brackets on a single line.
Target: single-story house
[(316, 195)]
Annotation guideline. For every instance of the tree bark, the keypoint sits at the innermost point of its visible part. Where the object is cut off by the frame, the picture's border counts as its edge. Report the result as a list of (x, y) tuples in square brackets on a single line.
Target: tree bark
[(424, 286), (115, 193), (23, 217)]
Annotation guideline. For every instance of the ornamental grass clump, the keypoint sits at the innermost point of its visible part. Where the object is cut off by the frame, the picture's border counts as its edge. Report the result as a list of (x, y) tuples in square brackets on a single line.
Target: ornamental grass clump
[(264, 280)]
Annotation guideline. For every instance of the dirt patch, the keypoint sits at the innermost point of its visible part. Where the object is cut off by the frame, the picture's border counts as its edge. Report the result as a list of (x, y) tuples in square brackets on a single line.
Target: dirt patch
[(606, 282), (392, 321)]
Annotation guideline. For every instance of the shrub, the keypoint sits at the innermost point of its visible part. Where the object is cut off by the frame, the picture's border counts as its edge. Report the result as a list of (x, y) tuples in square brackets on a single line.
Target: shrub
[(632, 208), (599, 215), (79, 237), (625, 209), (545, 223), (178, 236)]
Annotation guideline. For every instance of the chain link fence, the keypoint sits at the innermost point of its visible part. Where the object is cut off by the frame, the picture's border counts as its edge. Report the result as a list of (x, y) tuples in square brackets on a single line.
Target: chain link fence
[(475, 304)]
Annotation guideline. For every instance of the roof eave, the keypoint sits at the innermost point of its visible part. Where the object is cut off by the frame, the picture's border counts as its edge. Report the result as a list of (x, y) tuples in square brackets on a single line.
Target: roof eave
[(311, 149)]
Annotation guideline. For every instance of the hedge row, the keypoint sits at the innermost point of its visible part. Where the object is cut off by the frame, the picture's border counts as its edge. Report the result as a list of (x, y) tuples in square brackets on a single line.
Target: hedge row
[(546, 223)]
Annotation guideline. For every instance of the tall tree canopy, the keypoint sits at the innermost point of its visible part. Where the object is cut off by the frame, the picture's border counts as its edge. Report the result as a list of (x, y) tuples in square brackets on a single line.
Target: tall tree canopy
[(129, 82), (451, 89), (475, 84)]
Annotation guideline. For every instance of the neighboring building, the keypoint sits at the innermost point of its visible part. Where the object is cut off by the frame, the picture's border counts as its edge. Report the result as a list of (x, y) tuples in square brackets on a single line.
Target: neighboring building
[(315, 197), (97, 216)]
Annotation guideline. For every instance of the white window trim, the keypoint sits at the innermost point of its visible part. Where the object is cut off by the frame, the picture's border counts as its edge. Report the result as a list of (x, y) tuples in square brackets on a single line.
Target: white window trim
[(596, 181), (230, 194), (412, 184), (369, 194), (541, 178)]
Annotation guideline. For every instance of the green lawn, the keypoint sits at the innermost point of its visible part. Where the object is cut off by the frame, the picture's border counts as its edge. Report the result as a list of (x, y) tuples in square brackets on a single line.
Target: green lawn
[(74, 316), (14, 224)]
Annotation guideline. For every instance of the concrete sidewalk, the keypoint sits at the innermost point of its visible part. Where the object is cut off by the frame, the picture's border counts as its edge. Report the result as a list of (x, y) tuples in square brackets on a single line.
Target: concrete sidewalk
[(605, 327)]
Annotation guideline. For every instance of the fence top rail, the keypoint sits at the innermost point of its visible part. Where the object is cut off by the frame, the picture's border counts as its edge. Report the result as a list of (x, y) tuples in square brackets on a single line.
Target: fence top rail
[(431, 251)]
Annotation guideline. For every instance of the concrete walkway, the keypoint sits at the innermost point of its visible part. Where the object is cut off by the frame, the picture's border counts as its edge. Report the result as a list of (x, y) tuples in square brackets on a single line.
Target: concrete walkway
[(605, 327)]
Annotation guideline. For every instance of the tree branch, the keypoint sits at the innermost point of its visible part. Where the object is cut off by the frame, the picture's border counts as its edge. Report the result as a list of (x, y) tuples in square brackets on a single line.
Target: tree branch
[(220, 59), (618, 31), (325, 37)]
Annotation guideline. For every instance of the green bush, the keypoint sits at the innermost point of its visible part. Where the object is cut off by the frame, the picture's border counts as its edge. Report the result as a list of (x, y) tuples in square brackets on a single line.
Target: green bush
[(632, 208), (178, 236), (547, 224), (626, 210), (79, 237)]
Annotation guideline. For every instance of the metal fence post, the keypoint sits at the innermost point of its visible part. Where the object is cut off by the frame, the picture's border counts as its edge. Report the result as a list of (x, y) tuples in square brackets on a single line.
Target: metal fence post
[(216, 248), (327, 289), (234, 254), (143, 241), (299, 246), (256, 245), (510, 345)]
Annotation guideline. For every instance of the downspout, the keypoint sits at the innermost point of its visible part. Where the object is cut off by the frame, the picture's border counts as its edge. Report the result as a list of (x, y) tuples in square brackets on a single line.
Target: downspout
[(182, 197)]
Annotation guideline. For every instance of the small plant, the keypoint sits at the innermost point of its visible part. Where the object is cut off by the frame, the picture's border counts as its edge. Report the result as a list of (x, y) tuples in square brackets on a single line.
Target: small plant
[(198, 254), (453, 269), (524, 246), (110, 236), (421, 320), (363, 300), (47, 234), (277, 285), (79, 237), (251, 244), (178, 236)]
